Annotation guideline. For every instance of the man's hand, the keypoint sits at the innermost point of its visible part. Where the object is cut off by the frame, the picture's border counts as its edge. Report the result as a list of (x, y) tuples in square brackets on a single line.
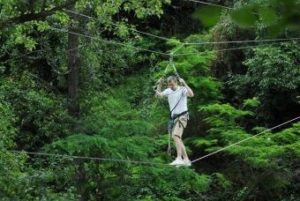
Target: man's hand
[(160, 81), (158, 94), (182, 81)]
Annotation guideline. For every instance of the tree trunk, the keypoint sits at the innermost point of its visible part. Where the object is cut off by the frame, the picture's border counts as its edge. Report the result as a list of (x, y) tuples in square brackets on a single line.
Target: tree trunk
[(73, 76)]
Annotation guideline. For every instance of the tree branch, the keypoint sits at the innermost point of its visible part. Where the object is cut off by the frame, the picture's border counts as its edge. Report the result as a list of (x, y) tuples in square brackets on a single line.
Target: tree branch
[(36, 16)]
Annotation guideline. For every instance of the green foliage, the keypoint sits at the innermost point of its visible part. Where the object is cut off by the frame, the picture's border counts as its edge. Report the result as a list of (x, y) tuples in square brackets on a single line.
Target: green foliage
[(209, 16), (121, 121), (119, 126), (272, 16), (42, 117), (244, 16), (266, 151), (10, 165), (106, 65), (7, 129), (265, 76), (273, 76)]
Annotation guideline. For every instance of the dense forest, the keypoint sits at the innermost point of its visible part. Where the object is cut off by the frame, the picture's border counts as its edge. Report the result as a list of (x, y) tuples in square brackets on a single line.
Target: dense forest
[(79, 119)]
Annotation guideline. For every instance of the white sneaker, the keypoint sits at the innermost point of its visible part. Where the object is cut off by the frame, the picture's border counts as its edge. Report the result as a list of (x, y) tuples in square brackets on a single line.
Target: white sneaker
[(187, 162), (177, 162)]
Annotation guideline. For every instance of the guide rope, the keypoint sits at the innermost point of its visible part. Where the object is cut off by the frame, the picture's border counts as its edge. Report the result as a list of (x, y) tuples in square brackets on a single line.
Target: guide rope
[(209, 4), (270, 40), (87, 157), (194, 43), (246, 139), (116, 25), (108, 41), (149, 162)]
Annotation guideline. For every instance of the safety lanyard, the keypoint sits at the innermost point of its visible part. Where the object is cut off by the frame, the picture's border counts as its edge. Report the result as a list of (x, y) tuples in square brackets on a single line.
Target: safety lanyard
[(172, 63)]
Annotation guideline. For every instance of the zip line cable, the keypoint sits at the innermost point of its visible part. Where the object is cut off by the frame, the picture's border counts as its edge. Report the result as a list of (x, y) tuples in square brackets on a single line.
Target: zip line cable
[(209, 4), (246, 139), (109, 42), (165, 54), (166, 39), (88, 158), (116, 25), (149, 162), (244, 41), (222, 50), (193, 43), (172, 54)]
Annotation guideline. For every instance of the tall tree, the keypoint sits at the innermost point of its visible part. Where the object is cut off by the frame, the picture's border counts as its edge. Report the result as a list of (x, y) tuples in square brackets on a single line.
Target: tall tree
[(73, 66)]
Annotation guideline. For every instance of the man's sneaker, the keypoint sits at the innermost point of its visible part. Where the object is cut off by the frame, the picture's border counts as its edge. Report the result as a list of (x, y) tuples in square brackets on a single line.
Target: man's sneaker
[(187, 162), (177, 162)]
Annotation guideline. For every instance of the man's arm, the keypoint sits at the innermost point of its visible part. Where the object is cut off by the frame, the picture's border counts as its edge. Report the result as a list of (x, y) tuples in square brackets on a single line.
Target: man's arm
[(158, 92), (190, 92)]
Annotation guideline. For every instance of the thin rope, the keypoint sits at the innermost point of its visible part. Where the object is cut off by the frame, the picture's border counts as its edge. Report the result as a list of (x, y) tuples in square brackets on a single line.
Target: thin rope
[(88, 158), (109, 42), (209, 4), (196, 43), (246, 139), (116, 25), (223, 50), (149, 162), (244, 41), (167, 54)]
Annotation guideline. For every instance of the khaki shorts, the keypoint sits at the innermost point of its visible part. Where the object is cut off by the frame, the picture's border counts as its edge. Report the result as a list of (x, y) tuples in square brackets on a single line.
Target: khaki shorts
[(180, 125)]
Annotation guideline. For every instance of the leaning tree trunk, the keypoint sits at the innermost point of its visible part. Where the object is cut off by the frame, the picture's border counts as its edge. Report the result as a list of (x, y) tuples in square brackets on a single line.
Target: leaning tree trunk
[(73, 76), (73, 97)]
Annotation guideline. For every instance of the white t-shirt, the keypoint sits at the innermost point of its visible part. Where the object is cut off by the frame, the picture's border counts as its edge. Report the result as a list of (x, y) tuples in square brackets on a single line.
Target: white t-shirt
[(174, 97)]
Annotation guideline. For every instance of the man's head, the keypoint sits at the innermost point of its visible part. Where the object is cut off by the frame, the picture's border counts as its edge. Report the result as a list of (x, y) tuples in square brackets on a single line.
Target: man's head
[(172, 82)]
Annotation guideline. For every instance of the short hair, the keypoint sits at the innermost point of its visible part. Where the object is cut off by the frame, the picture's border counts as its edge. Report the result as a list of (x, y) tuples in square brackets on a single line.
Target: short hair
[(173, 78)]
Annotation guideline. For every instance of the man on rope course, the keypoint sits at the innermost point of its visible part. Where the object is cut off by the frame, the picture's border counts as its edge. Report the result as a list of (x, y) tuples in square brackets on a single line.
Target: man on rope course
[(177, 98)]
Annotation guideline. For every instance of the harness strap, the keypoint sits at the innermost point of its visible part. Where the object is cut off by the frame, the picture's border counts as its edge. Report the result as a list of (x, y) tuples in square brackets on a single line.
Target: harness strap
[(179, 115), (177, 136)]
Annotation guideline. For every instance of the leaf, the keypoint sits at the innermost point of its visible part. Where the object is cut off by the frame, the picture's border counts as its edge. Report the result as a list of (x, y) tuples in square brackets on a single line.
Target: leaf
[(267, 16), (42, 26), (244, 17), (275, 29), (209, 16)]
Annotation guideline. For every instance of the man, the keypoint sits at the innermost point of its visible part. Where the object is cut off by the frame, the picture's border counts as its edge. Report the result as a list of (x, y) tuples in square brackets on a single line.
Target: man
[(177, 98)]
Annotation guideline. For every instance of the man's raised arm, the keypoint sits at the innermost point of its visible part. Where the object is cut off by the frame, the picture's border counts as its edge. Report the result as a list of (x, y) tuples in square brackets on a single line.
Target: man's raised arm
[(190, 92), (158, 92)]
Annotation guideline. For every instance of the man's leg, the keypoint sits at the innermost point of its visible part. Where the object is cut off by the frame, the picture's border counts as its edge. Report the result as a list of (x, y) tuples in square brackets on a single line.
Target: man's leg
[(183, 151), (178, 146), (178, 161), (177, 136)]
